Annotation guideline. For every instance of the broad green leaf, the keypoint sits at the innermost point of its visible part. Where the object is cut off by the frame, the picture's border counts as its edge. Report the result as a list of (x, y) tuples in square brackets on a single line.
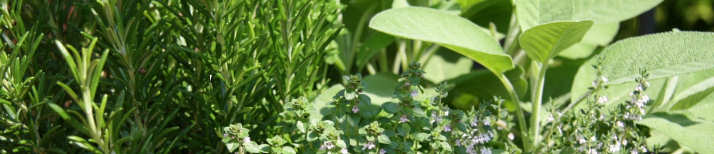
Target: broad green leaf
[(479, 85), (468, 4), (446, 65), (471, 7), (322, 101), (379, 89), (662, 55), (696, 88), (450, 31), (531, 13), (701, 111), (497, 12), (559, 77), (252, 147), (400, 3), (384, 139), (374, 44), (545, 41), (600, 34), (693, 134)]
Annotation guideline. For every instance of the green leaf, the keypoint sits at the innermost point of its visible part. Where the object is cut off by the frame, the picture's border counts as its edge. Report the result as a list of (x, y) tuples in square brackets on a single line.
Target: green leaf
[(82, 143), (252, 147), (323, 100), (374, 44), (689, 133), (450, 31), (465, 93), (232, 146), (400, 3), (446, 65), (531, 13), (545, 41), (600, 34), (380, 88), (662, 55), (421, 136), (700, 92), (59, 111), (701, 111), (288, 150), (384, 139)]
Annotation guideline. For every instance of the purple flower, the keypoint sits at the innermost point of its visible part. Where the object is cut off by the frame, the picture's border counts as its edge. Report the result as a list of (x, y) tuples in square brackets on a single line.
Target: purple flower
[(414, 93), (327, 146), (474, 122), (369, 146), (355, 108), (447, 128), (403, 119), (382, 151), (485, 151), (344, 151)]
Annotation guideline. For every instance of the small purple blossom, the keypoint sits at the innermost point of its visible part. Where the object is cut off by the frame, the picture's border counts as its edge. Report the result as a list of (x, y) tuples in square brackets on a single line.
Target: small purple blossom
[(355, 108), (414, 93), (246, 139), (344, 151), (368, 146), (403, 119), (382, 151), (474, 122), (485, 151), (447, 128), (327, 145)]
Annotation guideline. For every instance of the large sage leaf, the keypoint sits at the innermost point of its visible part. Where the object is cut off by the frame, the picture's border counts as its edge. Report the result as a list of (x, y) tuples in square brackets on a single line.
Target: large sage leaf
[(464, 94), (600, 34), (693, 134), (545, 41), (531, 13), (662, 55), (450, 31), (445, 65)]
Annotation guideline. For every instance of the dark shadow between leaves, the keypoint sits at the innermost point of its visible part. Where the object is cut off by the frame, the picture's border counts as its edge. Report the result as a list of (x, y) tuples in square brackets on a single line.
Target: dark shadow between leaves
[(680, 119)]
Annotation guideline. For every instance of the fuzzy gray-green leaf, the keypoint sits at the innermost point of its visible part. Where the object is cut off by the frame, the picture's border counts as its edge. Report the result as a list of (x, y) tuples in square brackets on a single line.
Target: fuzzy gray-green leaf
[(531, 13), (662, 55)]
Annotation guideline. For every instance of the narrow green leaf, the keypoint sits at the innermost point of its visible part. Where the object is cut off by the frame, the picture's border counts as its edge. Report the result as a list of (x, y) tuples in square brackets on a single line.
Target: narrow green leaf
[(68, 58), (450, 31), (59, 111), (545, 41)]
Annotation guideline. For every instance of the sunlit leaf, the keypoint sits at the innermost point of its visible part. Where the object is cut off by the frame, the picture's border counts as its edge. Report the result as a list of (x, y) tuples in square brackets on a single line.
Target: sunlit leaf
[(450, 31)]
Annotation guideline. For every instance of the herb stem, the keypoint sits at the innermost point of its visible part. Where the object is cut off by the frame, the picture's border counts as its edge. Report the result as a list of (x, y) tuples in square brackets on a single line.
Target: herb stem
[(537, 99), (519, 112)]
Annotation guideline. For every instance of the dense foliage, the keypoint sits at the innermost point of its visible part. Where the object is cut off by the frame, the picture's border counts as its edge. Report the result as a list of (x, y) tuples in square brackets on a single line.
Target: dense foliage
[(355, 76)]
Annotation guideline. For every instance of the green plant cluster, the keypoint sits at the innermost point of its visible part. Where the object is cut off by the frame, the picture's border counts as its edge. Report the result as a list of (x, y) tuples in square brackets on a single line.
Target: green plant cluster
[(351, 76), (350, 119)]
